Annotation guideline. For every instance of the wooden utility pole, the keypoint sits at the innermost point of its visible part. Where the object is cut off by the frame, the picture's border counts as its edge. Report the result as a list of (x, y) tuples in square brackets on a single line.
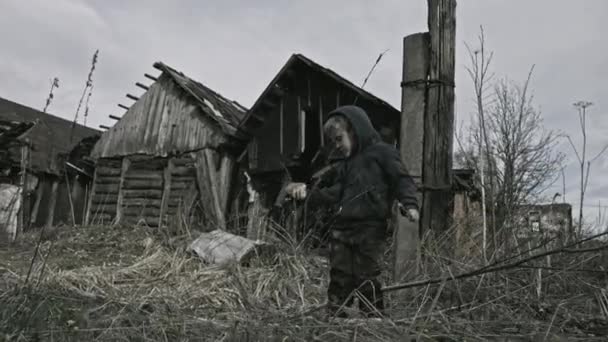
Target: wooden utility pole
[(439, 117), (413, 101), (427, 128)]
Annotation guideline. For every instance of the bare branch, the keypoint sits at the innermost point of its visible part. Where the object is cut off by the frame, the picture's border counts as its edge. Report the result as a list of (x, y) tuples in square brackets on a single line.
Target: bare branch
[(574, 149), (599, 154)]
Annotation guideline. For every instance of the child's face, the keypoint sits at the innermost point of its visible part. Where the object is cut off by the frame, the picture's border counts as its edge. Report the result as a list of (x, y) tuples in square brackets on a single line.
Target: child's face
[(343, 141)]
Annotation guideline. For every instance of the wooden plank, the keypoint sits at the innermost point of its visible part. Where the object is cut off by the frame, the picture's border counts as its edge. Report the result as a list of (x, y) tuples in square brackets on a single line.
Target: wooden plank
[(146, 193), (179, 187), (151, 177), (35, 209), (166, 189), (415, 68), (298, 116), (108, 180), (142, 86), (90, 199), (101, 218), (281, 126), (206, 174), (321, 120), (151, 77), (109, 209), (104, 199), (141, 212), (439, 122), (184, 171), (123, 171), (338, 98), (136, 184), (181, 163), (103, 171), (107, 189), (23, 185), (142, 202), (182, 180), (132, 97), (52, 203)]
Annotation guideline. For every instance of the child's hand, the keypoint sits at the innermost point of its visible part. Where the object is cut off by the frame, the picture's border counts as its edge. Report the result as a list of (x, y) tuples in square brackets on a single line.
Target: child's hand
[(411, 213), (296, 190)]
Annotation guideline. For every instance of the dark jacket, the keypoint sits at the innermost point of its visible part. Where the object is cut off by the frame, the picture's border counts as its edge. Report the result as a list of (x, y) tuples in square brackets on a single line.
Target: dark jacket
[(365, 185)]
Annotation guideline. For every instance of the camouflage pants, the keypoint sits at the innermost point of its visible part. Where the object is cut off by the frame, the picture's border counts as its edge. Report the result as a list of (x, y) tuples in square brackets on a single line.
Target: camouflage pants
[(355, 265)]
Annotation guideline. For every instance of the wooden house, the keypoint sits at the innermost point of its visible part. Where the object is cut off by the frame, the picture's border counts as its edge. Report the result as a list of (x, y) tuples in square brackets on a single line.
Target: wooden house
[(170, 158), (37, 153), (285, 123), (286, 129)]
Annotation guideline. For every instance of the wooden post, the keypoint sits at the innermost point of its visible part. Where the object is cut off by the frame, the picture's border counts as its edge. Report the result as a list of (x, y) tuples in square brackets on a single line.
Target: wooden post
[(439, 118), (415, 71), (123, 172), (89, 197), (35, 209), (23, 185), (213, 174), (51, 213), (78, 200), (164, 202)]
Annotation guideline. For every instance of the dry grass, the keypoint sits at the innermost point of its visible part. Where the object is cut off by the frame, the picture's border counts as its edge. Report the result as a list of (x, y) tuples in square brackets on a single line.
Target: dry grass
[(132, 283)]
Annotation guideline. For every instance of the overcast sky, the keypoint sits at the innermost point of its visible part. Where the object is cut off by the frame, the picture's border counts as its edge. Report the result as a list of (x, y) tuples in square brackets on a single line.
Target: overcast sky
[(236, 48)]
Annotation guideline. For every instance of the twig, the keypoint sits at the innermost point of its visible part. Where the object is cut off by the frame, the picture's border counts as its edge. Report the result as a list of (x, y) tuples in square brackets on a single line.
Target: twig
[(484, 270), (54, 84), (370, 73), (29, 271), (44, 264)]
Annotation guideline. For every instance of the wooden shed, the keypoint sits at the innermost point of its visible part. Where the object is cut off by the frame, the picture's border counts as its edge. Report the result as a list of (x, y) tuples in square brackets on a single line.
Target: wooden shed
[(286, 121), (170, 157), (36, 154)]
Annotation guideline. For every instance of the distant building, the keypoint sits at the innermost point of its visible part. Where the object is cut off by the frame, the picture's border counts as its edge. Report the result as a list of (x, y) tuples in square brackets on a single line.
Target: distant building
[(545, 219), (41, 153)]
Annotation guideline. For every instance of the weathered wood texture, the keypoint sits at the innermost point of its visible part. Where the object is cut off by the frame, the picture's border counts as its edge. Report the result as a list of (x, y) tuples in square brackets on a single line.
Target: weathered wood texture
[(162, 121), (413, 96), (119, 201), (144, 177), (36, 208), (439, 119), (191, 189), (104, 194), (164, 203), (52, 203), (214, 171), (275, 120)]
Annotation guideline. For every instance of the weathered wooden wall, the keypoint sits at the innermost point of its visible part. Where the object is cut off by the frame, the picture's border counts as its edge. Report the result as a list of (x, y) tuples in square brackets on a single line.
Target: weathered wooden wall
[(193, 188), (279, 140), (163, 120)]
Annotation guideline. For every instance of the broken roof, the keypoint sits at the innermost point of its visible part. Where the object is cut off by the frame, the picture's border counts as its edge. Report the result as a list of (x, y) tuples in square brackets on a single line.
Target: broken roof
[(49, 137), (299, 59), (227, 113)]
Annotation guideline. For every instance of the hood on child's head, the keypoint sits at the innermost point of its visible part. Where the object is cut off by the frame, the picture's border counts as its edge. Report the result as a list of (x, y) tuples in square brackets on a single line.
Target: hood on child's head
[(364, 131)]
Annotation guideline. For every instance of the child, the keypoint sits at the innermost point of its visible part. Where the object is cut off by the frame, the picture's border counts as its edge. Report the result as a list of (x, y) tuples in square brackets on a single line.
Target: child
[(366, 182)]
